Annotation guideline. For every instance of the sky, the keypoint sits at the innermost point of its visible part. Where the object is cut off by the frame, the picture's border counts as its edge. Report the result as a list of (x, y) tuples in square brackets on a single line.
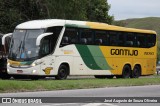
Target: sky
[(124, 9)]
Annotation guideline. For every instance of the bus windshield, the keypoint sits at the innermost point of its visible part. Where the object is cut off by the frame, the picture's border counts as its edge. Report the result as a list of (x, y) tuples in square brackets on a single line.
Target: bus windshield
[(23, 44)]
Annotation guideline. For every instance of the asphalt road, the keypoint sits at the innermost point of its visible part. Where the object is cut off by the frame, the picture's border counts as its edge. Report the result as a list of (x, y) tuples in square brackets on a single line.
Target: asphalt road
[(133, 91)]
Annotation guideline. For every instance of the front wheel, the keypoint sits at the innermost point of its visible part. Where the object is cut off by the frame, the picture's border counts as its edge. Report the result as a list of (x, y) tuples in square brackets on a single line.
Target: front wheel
[(62, 72)]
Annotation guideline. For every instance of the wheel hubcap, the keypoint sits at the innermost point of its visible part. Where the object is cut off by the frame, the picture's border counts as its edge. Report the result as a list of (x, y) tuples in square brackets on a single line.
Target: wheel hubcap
[(62, 73)]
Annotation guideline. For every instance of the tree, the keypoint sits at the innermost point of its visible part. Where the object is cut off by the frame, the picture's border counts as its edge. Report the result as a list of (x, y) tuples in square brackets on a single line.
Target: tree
[(14, 12), (97, 10), (8, 16), (66, 9)]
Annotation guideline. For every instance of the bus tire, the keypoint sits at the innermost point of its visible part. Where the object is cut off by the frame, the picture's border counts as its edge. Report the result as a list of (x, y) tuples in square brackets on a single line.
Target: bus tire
[(62, 72), (136, 72), (126, 72), (100, 76)]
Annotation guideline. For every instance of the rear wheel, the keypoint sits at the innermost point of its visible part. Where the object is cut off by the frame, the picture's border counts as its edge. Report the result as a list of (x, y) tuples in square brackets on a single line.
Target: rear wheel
[(136, 72), (62, 72), (126, 73)]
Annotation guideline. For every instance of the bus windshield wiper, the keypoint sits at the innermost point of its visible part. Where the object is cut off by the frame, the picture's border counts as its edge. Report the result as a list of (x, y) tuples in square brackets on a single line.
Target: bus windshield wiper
[(24, 50), (18, 49)]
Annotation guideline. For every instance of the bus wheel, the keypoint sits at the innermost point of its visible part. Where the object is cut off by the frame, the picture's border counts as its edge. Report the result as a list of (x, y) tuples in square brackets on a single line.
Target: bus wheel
[(136, 72), (62, 72), (100, 76), (126, 73)]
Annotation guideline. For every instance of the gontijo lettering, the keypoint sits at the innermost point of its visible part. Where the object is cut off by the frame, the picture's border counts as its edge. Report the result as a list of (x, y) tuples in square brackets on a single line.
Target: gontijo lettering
[(125, 52)]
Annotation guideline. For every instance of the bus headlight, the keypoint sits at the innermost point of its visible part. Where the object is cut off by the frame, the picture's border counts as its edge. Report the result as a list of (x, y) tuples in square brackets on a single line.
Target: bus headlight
[(33, 64), (8, 71), (37, 62), (8, 64), (34, 71)]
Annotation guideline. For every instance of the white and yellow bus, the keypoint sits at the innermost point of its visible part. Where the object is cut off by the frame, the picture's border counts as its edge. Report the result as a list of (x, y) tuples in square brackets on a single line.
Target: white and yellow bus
[(64, 47)]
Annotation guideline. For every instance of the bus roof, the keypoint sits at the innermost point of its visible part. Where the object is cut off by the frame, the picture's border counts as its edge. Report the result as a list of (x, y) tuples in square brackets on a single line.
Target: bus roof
[(38, 24)]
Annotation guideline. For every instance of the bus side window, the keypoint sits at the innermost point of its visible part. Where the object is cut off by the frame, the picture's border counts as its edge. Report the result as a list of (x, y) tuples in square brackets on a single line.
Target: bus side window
[(151, 40), (50, 41), (45, 46), (113, 38), (86, 37), (130, 38), (65, 40), (83, 41), (121, 38), (70, 37), (141, 40), (100, 38)]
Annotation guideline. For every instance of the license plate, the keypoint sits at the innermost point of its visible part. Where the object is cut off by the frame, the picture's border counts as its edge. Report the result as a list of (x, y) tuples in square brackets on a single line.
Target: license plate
[(19, 71)]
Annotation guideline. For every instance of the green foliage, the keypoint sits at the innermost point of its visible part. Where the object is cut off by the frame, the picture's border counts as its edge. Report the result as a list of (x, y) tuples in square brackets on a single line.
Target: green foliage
[(97, 10), (14, 12)]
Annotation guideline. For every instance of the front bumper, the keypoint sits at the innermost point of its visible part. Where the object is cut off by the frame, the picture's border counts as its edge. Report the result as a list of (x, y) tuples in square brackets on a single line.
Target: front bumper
[(24, 71)]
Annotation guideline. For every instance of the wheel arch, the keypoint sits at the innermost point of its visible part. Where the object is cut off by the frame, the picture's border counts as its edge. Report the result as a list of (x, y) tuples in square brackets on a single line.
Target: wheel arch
[(128, 65)]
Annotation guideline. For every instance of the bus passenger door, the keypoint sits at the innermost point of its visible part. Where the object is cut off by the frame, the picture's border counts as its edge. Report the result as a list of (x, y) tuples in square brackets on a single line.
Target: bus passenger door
[(47, 59)]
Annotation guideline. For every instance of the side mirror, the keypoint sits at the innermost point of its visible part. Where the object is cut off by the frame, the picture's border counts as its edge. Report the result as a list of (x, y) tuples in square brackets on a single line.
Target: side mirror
[(39, 38), (4, 37)]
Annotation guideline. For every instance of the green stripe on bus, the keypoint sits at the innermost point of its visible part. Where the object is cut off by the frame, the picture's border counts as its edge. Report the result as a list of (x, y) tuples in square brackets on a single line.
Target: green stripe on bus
[(99, 57), (26, 63), (87, 57)]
